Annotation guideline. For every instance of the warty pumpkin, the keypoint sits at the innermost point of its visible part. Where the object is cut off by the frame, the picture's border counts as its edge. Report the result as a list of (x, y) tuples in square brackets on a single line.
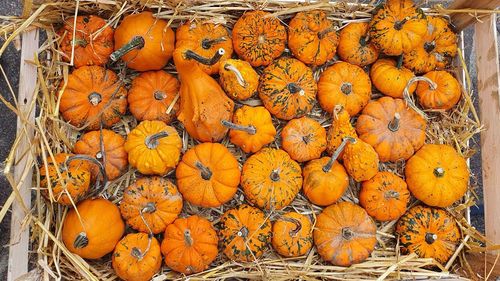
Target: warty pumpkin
[(208, 175), (137, 257), (154, 96), (252, 128), (355, 46), (344, 84), (89, 49), (203, 102), (385, 196), (312, 37), (143, 42), (287, 88), (245, 233), (150, 204), (304, 139), (360, 159), (437, 175), (341, 128), (106, 147), (271, 179), (398, 27), (258, 39), (153, 147), (95, 230), (428, 232), (205, 39), (344, 234), (93, 95), (438, 90), (189, 244), (391, 77), (238, 79), (392, 128), (292, 235)]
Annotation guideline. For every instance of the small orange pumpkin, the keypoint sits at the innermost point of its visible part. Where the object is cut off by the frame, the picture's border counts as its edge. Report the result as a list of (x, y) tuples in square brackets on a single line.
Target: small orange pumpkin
[(93, 95), (385, 196), (304, 139), (95, 230), (312, 37), (341, 128), (391, 78), (438, 90), (153, 96), (190, 244), (208, 175), (292, 235), (258, 39), (355, 46), (245, 233), (360, 159), (150, 204), (344, 84), (238, 79), (143, 42)]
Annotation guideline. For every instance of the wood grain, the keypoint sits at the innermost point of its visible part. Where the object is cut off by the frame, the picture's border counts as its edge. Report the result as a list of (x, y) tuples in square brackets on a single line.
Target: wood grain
[(462, 20)]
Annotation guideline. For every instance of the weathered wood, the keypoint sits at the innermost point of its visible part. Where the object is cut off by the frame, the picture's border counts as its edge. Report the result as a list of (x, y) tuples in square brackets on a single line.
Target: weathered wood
[(19, 230), (462, 20), (488, 77)]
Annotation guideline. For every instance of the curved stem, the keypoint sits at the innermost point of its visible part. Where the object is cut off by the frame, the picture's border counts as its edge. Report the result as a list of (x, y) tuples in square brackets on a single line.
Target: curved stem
[(346, 88), (243, 232), (336, 110), (293, 88), (391, 194), (211, 61), (99, 164), (207, 43), (399, 24), (429, 46), (324, 32), (248, 129), (275, 175), (407, 97), (81, 240), (206, 174), (95, 98), (188, 239), (439, 172), (337, 152), (430, 237), (393, 126), (136, 253), (152, 141), (298, 225), (137, 42), (236, 73), (149, 208), (347, 233)]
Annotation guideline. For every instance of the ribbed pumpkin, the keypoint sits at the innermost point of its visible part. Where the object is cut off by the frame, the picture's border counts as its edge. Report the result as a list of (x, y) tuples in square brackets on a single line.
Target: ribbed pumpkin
[(238, 79), (438, 90), (287, 88), (245, 233), (341, 127), (437, 175), (391, 77), (355, 46), (208, 175), (304, 139), (271, 179), (344, 234), (360, 159), (292, 235)]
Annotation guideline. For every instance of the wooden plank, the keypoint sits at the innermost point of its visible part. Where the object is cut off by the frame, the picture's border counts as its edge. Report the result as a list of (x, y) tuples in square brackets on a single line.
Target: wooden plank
[(462, 20), (19, 230), (488, 83)]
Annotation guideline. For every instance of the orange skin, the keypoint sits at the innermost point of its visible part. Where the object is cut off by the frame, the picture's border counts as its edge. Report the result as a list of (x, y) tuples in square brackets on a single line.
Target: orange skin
[(292, 235), (235, 88), (391, 79), (360, 160), (324, 188), (304, 139), (341, 128), (446, 94), (353, 46)]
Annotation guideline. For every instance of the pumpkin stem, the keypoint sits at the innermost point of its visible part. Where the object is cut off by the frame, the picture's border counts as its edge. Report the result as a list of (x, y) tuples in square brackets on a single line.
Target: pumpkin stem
[(398, 25), (391, 194), (149, 208), (399, 62), (439, 172), (206, 174), (429, 46), (294, 88), (324, 32), (211, 61), (347, 233), (137, 42), (237, 73), (346, 88), (80, 42), (307, 138), (243, 232), (95, 98), (81, 240), (136, 253), (336, 110), (207, 43), (298, 225), (159, 95), (152, 141), (187, 238), (102, 170), (407, 97), (248, 129), (363, 41), (394, 124), (275, 175), (430, 237), (336, 153)]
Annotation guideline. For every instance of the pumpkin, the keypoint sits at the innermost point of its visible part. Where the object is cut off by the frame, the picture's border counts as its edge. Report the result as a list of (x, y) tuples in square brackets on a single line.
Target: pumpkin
[(393, 129), (360, 159), (385, 196), (203, 102), (325, 180), (143, 42), (437, 175), (344, 84), (304, 139), (292, 235), (208, 175), (344, 234), (88, 49), (341, 128), (391, 78), (398, 27), (153, 147), (438, 90), (258, 39), (245, 233), (150, 204), (154, 96), (137, 257), (110, 152), (355, 46), (287, 88), (95, 230), (93, 95), (271, 179), (238, 79), (428, 232), (69, 179), (189, 244), (252, 128), (437, 49), (312, 37), (205, 39)]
